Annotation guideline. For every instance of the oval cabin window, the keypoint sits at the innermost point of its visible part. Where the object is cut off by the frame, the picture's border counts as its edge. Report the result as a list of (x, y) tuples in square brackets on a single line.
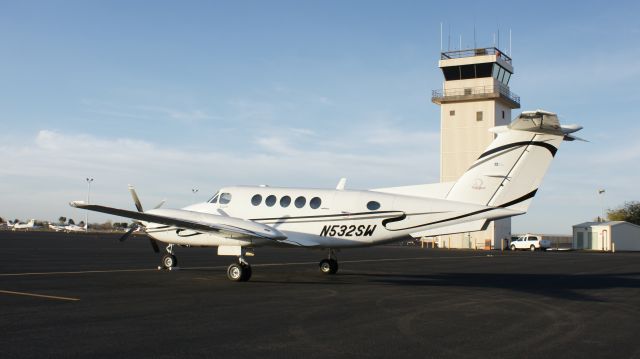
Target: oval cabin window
[(256, 200), (270, 201), (315, 202), (373, 205), (285, 201)]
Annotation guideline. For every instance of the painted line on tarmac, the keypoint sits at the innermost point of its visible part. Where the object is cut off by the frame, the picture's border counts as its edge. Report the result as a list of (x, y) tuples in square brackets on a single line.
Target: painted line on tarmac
[(222, 267), (39, 295)]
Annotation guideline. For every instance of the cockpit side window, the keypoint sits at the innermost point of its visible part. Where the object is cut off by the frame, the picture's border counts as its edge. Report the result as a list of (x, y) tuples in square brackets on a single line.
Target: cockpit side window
[(225, 198), (214, 199)]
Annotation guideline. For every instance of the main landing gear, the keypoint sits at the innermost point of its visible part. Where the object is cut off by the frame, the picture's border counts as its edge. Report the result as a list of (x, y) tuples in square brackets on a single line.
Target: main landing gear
[(169, 260), (240, 271), (329, 265)]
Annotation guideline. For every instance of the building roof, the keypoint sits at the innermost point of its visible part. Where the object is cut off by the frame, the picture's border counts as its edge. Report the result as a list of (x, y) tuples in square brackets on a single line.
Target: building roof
[(609, 223)]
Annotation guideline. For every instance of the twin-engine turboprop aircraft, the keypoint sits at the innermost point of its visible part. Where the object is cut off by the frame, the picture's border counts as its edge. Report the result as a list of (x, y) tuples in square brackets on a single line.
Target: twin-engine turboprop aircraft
[(500, 183)]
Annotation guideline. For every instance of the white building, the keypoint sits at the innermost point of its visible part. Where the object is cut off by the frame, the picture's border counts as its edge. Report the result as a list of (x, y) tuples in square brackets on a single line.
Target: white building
[(475, 97), (603, 236)]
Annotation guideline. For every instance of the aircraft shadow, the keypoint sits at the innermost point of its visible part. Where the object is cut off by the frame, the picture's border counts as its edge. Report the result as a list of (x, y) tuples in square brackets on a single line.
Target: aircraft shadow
[(561, 286)]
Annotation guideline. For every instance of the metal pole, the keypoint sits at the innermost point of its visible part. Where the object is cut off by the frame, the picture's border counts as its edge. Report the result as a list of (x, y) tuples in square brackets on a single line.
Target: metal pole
[(86, 219)]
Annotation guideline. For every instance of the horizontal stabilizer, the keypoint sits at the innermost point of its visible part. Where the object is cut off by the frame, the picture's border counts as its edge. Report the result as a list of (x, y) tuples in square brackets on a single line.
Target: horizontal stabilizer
[(474, 226)]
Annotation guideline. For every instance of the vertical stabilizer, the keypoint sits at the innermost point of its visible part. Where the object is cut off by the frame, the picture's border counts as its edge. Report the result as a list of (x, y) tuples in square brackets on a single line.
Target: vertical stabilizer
[(507, 174)]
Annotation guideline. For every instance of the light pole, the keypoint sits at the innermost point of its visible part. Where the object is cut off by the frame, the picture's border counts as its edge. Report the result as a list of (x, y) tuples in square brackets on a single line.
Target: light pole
[(86, 219), (601, 193)]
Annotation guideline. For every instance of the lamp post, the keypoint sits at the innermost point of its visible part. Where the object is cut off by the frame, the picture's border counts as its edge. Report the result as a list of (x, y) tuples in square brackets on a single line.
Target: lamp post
[(86, 219), (601, 193)]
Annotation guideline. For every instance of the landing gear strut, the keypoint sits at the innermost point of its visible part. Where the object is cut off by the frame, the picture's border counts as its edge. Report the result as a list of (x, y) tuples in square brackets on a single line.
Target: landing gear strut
[(169, 260), (329, 265), (240, 271)]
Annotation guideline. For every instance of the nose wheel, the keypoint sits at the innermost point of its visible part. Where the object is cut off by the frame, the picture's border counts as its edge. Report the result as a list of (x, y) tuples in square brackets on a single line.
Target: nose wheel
[(169, 260)]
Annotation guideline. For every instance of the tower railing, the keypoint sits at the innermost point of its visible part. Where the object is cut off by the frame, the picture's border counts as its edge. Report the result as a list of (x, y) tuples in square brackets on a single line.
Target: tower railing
[(469, 93), (474, 52)]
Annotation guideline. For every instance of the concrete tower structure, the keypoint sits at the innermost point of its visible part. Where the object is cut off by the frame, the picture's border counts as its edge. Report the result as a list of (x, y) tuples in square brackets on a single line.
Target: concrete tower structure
[(474, 98)]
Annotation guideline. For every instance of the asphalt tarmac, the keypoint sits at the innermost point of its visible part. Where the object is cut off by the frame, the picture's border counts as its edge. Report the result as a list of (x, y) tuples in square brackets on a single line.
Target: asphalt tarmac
[(77, 295)]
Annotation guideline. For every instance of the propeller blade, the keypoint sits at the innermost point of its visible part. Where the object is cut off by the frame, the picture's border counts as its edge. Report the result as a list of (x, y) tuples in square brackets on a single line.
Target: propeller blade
[(154, 244), (136, 200), (127, 234), (160, 204)]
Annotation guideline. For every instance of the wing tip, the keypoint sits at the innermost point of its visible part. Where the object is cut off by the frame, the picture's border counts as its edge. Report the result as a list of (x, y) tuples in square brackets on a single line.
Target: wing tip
[(77, 204)]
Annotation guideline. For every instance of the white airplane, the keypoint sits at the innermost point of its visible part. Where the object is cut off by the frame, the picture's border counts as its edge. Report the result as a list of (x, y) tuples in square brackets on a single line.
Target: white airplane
[(8, 224), (26, 226), (500, 183), (67, 228)]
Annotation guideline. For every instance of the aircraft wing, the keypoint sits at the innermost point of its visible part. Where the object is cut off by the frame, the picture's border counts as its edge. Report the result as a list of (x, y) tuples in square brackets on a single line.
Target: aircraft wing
[(197, 221)]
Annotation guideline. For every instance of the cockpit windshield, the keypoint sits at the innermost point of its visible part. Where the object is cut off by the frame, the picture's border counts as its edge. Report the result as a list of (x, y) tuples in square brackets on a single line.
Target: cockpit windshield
[(214, 199)]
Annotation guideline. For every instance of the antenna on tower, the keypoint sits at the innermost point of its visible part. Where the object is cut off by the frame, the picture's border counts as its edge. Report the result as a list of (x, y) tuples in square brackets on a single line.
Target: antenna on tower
[(498, 36), (440, 36), (460, 48), (449, 39), (510, 53), (475, 46), (494, 39)]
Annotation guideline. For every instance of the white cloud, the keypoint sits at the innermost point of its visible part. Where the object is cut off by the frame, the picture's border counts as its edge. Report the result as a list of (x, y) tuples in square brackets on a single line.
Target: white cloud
[(48, 169)]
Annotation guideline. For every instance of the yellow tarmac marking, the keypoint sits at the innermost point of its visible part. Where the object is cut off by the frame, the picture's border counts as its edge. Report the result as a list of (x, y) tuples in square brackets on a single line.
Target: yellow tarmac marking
[(222, 267), (39, 295)]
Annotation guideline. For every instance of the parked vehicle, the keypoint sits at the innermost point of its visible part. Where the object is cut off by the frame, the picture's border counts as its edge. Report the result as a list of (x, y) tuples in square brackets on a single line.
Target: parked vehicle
[(530, 242)]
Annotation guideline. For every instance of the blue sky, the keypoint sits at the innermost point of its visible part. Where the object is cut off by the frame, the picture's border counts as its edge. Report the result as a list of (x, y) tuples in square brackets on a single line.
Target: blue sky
[(175, 95)]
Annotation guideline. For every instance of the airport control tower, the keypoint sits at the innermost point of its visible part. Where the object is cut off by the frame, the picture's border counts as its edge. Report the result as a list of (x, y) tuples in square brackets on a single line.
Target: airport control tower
[(474, 98)]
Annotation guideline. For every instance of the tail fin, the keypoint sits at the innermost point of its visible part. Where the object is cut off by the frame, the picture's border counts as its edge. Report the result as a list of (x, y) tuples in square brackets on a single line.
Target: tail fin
[(509, 172)]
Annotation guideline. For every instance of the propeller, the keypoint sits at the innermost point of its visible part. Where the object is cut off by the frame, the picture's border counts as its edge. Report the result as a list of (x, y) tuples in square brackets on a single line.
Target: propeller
[(136, 225)]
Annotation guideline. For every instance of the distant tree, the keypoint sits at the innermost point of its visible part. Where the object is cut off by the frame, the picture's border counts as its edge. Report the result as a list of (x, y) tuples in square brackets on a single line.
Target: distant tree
[(62, 219), (81, 224), (629, 212), (71, 221), (16, 221)]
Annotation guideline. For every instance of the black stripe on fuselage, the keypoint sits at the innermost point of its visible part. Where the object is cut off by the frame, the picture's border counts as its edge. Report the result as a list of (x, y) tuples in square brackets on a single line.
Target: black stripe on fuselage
[(548, 146), (505, 205)]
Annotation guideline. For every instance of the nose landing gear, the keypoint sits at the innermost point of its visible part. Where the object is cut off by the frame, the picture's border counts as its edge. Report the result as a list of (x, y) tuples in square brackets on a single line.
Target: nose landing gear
[(169, 260)]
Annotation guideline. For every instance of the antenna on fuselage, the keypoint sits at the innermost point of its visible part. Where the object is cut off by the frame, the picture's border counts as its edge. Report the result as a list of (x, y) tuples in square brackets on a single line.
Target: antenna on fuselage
[(341, 184)]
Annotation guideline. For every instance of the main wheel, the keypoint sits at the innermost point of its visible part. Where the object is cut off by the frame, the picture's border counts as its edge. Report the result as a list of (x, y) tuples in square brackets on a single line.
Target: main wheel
[(169, 261), (533, 248), (513, 247), (235, 272), (329, 266), (246, 273)]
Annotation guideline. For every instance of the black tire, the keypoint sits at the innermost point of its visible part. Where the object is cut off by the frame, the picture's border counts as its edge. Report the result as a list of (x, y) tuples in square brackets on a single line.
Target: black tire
[(325, 266), (236, 272), (334, 266), (169, 261), (513, 247), (533, 248), (246, 273), (328, 266)]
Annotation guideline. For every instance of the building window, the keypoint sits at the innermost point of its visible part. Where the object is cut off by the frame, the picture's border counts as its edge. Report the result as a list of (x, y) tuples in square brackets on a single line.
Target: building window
[(452, 113), (479, 116), (467, 91), (503, 114)]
